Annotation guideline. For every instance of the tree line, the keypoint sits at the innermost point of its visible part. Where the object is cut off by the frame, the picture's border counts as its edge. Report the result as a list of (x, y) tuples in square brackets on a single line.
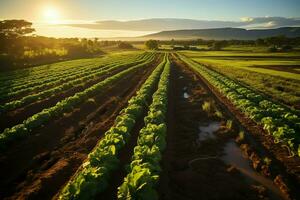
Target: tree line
[(19, 47), (274, 43)]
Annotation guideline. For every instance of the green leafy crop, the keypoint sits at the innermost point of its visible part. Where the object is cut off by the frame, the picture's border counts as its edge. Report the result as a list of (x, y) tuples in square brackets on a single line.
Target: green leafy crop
[(144, 170), (93, 176)]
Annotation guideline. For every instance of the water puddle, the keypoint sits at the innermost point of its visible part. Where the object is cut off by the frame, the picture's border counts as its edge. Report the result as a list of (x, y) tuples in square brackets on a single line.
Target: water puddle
[(234, 156), (207, 131), (185, 93)]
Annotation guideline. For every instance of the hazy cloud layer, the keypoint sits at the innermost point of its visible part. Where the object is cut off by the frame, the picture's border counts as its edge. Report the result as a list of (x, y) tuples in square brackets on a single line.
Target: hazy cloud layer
[(272, 22), (161, 24)]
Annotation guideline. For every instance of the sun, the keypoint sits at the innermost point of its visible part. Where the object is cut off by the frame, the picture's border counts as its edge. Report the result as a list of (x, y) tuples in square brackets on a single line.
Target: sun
[(51, 15)]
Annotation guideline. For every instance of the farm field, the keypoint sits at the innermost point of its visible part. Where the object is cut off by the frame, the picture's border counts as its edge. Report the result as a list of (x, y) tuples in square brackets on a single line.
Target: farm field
[(149, 100), (274, 74), (149, 125)]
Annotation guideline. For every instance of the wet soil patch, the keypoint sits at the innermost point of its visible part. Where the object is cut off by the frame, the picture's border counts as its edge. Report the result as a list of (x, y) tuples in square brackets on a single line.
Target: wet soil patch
[(194, 169), (284, 169)]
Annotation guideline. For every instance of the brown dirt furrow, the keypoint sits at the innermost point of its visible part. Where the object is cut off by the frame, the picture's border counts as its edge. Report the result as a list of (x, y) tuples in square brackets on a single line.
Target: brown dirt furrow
[(117, 176), (184, 177)]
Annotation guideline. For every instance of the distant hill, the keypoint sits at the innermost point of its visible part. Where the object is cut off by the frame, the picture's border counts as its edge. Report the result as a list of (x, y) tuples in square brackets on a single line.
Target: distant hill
[(168, 24), (224, 33)]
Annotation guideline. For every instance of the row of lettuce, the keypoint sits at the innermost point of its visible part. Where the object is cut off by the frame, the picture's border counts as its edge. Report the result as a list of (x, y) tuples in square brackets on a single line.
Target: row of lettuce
[(33, 79), (62, 76), (39, 71), (33, 73), (279, 121), (144, 170), (31, 82), (93, 176), (66, 105), (70, 82)]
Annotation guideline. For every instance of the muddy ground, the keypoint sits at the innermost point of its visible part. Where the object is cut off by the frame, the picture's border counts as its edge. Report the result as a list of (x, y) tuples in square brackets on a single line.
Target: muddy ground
[(202, 159)]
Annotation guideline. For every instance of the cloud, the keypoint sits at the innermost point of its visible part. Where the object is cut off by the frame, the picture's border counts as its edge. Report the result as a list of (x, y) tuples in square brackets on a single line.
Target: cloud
[(246, 19), (162, 24), (272, 22)]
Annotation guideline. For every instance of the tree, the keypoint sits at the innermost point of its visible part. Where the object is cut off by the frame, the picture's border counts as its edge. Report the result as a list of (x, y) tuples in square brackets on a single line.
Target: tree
[(277, 41), (152, 44), (218, 45), (11, 35), (260, 42), (15, 28), (125, 45)]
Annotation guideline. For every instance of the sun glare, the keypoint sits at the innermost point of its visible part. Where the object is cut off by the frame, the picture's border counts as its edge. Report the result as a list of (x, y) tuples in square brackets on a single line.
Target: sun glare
[(51, 15)]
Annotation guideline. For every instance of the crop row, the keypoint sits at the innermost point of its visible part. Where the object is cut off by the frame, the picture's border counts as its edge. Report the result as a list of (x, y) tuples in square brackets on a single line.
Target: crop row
[(62, 77), (30, 81), (144, 169), (68, 83), (21, 76), (43, 70), (66, 105), (39, 70), (92, 177), (279, 121)]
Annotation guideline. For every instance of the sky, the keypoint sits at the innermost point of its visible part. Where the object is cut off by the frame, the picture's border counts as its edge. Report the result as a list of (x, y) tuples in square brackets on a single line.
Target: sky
[(83, 11), (141, 9)]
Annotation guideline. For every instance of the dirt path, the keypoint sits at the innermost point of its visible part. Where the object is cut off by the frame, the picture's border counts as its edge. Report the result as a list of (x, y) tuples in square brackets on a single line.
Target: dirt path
[(37, 167), (202, 160)]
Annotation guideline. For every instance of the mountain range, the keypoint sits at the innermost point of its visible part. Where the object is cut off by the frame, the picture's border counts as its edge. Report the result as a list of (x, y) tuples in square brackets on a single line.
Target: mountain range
[(224, 33)]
